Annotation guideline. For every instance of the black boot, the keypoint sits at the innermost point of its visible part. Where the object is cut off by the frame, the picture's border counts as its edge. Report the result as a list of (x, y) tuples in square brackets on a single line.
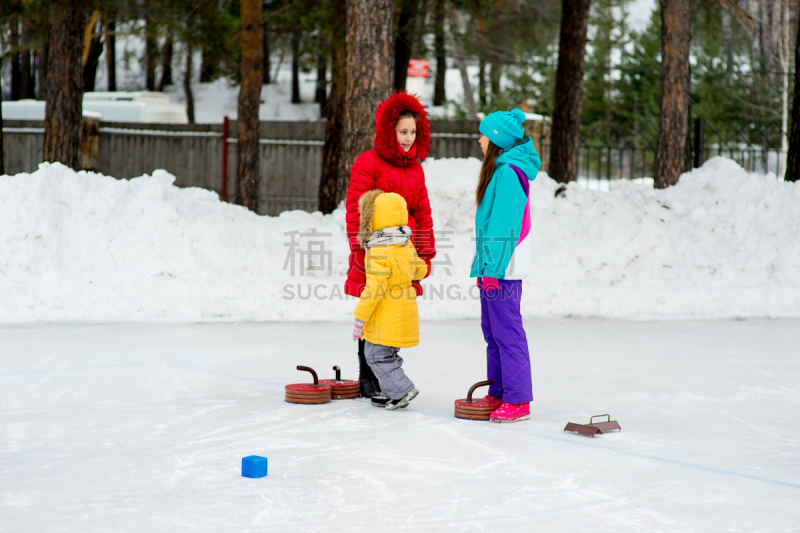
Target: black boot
[(369, 383)]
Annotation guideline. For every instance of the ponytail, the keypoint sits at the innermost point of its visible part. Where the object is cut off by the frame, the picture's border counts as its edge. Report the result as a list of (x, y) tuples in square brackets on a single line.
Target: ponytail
[(487, 169)]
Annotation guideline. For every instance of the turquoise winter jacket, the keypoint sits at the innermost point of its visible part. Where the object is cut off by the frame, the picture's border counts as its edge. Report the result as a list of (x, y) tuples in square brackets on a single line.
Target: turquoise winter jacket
[(498, 220)]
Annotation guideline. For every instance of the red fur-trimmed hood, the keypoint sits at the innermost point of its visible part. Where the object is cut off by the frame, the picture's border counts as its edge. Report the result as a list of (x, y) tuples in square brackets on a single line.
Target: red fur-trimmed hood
[(385, 138)]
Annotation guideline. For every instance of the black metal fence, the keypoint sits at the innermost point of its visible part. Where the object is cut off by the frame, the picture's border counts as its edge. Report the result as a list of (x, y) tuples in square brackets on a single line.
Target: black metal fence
[(609, 150), (625, 149), (616, 149), (755, 147)]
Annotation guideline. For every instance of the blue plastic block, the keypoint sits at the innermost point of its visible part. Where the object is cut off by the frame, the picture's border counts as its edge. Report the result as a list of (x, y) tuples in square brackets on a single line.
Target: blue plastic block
[(254, 466)]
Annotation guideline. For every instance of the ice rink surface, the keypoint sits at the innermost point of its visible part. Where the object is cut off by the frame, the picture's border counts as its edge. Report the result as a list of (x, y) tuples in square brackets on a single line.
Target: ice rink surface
[(142, 427)]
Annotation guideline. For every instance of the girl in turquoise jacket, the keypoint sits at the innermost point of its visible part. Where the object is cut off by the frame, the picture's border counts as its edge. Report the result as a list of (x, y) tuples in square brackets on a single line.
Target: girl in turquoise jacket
[(503, 257)]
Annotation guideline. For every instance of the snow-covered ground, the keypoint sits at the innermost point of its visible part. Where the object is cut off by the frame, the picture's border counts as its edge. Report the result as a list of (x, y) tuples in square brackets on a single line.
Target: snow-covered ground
[(723, 243), (142, 428)]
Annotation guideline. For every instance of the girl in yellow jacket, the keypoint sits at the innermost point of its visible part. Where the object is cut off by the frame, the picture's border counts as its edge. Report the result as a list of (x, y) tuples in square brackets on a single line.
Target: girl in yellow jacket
[(386, 315)]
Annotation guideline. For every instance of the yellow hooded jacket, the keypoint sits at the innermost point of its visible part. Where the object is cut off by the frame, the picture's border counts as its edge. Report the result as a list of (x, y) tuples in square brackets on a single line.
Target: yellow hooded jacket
[(388, 305)]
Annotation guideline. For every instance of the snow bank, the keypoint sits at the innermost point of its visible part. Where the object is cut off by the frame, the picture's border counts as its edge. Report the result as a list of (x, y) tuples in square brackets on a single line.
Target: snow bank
[(85, 247)]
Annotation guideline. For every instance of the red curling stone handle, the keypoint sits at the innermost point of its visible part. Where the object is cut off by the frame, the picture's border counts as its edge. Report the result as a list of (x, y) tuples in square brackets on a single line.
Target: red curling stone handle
[(309, 369), (338, 373), (479, 384)]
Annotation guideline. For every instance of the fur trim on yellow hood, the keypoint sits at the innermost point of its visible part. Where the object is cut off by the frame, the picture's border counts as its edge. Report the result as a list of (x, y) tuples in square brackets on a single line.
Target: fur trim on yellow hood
[(379, 210)]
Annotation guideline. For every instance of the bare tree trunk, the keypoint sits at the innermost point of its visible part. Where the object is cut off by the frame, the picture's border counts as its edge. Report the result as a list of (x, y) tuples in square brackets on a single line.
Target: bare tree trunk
[(150, 52), (248, 168), (482, 14), (207, 66), (111, 49), (402, 43), (266, 67), (27, 81), (673, 123), (688, 148), (2, 149), (92, 48), (14, 40), (565, 137), (763, 36), (166, 64), (187, 84), (784, 60), (286, 44), (41, 66), (775, 10), (495, 28), (64, 91), (469, 98), (793, 162), (727, 40), (482, 79), (296, 35), (320, 96), (439, 97), (32, 76), (494, 76), (370, 62), (333, 183)]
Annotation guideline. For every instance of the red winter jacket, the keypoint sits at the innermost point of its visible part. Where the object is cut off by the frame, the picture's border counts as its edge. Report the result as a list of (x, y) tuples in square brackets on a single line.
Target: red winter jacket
[(390, 169)]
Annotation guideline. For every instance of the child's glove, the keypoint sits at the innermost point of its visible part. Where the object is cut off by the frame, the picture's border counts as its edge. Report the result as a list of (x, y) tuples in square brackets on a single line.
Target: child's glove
[(490, 284), (358, 328)]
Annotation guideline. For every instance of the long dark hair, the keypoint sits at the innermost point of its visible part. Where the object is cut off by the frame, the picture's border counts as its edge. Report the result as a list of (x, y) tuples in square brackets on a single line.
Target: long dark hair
[(487, 169)]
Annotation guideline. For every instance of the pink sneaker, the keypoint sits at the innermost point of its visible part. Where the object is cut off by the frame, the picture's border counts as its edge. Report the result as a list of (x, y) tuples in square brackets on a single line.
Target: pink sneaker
[(493, 401), (511, 412)]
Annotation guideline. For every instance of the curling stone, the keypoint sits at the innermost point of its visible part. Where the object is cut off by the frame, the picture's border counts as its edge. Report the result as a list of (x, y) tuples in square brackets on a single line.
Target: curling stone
[(308, 392), (470, 409), (594, 428), (342, 389)]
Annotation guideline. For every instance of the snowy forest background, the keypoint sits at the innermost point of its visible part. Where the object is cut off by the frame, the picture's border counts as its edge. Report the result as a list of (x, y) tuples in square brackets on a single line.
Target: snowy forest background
[(740, 51)]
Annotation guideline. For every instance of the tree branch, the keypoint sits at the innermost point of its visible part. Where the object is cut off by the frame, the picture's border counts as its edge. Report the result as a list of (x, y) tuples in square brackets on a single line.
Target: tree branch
[(742, 14)]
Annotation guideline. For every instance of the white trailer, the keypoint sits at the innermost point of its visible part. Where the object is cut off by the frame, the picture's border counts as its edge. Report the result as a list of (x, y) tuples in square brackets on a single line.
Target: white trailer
[(143, 106)]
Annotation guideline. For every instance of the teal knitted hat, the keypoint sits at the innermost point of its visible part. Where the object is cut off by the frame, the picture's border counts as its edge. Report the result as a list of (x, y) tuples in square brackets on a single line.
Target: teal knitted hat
[(504, 128)]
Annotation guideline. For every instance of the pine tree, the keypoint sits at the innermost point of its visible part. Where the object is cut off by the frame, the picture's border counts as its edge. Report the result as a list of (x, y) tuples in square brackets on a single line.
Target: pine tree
[(403, 40), (370, 61), (248, 170), (2, 150), (673, 119), (110, 18), (92, 48), (439, 97), (793, 159), (333, 183), (64, 92), (569, 88)]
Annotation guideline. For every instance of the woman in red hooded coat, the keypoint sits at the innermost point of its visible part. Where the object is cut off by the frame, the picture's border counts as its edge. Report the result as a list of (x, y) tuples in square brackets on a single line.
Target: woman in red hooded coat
[(391, 168)]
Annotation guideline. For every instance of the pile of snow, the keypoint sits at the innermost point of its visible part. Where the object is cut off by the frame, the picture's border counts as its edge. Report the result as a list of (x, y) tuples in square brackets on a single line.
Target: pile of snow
[(85, 247)]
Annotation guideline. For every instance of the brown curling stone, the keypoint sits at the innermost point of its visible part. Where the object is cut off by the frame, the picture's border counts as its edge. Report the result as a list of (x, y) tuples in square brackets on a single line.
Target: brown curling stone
[(470, 409), (308, 393), (594, 428), (342, 389)]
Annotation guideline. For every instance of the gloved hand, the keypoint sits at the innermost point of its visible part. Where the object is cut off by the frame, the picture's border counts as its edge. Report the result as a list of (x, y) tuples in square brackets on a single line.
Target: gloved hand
[(490, 284), (358, 329)]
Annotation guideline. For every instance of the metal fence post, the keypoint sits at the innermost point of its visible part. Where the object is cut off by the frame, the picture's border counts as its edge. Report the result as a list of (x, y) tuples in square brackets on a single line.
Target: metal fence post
[(699, 145)]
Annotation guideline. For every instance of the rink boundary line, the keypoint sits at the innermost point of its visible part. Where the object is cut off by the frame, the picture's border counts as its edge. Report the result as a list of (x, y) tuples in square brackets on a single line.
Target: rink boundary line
[(92, 368), (672, 461), (566, 440)]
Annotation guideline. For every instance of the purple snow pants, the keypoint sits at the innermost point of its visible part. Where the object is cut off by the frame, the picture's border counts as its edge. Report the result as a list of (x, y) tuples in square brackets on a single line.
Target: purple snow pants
[(508, 362)]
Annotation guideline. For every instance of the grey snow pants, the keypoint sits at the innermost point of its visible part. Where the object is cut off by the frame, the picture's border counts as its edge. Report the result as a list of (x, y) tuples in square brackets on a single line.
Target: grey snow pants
[(387, 366)]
